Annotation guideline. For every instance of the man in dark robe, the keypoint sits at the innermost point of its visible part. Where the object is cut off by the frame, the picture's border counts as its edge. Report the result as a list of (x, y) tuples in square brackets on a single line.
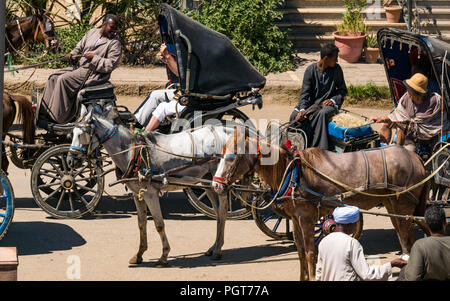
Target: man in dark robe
[(322, 95)]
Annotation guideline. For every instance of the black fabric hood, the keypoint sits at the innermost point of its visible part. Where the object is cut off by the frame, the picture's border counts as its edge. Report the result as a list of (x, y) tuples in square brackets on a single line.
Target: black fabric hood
[(216, 65)]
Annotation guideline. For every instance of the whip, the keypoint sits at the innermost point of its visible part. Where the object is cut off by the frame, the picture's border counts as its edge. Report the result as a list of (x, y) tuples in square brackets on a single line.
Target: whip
[(42, 63)]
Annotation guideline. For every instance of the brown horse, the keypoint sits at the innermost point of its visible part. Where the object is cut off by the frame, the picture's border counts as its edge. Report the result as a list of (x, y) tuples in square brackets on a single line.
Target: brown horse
[(374, 172), (25, 117), (38, 27)]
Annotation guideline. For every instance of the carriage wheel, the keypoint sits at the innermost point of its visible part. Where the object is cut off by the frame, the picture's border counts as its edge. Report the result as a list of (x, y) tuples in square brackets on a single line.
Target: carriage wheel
[(198, 196), (199, 199), (6, 204), (66, 191), (275, 224)]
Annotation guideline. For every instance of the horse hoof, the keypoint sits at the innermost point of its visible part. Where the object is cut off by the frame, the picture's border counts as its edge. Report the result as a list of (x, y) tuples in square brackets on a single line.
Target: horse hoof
[(135, 260), (216, 257), (208, 253), (161, 264)]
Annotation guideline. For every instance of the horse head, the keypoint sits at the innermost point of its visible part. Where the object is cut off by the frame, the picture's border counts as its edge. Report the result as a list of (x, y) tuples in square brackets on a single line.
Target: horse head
[(45, 31), (240, 154), (92, 128), (38, 27)]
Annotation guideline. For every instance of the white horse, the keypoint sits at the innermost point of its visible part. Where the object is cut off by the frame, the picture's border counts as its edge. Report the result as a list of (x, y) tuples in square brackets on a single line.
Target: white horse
[(166, 154)]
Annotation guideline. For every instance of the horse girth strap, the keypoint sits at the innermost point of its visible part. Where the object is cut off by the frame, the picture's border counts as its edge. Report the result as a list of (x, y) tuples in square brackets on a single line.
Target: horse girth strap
[(132, 162), (366, 160), (355, 190)]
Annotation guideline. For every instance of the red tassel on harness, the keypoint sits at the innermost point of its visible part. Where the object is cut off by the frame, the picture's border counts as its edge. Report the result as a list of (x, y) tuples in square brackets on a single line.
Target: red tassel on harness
[(288, 144)]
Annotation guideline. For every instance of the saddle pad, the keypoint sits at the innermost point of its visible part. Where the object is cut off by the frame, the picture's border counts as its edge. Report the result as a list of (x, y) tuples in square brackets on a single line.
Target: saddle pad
[(344, 133)]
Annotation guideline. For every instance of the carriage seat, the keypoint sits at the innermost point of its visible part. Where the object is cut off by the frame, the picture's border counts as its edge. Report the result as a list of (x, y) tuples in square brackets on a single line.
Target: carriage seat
[(346, 133), (103, 91)]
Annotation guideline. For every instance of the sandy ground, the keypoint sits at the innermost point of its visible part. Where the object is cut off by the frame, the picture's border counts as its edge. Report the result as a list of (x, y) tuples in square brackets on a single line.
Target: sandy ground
[(98, 248)]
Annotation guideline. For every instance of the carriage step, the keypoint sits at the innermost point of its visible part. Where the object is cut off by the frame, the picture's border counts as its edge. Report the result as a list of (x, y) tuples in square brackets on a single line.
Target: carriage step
[(8, 263)]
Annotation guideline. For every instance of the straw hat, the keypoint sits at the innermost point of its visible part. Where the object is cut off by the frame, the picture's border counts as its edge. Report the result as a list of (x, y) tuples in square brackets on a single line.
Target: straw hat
[(418, 83)]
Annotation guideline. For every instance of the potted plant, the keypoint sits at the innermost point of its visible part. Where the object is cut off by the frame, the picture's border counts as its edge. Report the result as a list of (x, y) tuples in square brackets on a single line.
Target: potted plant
[(350, 34), (372, 51), (393, 11)]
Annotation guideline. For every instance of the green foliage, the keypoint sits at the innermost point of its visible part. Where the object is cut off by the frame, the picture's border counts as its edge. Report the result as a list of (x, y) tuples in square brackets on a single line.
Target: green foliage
[(250, 25), (372, 41), (368, 93), (138, 32), (352, 20)]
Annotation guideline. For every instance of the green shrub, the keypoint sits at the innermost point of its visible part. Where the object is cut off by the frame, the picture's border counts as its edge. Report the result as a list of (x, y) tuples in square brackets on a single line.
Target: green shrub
[(369, 95), (250, 25), (352, 20)]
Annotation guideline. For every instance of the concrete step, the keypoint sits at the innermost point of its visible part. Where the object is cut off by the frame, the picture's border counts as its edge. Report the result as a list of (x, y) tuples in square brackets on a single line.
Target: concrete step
[(328, 27), (340, 3), (335, 13), (314, 42)]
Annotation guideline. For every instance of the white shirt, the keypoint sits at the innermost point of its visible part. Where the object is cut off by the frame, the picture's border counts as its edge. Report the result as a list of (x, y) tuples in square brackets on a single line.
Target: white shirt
[(341, 258)]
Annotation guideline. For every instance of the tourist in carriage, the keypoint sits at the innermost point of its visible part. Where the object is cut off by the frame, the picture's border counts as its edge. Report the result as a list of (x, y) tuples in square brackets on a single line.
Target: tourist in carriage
[(322, 95), (101, 52), (160, 103), (417, 117)]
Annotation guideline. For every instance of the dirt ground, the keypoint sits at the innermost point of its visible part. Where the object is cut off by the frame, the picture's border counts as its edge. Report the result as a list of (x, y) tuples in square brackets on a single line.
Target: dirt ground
[(99, 247)]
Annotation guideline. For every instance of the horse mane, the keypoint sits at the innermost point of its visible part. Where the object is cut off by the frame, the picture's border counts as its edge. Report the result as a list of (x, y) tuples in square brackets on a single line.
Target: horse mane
[(273, 174)]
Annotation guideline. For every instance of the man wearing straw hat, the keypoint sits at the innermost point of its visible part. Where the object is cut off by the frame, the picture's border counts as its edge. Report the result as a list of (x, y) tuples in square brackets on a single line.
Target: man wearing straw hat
[(341, 257), (417, 117)]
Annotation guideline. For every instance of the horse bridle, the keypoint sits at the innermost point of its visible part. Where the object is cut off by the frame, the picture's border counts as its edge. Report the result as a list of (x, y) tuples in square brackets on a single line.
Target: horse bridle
[(48, 28), (48, 39), (236, 161)]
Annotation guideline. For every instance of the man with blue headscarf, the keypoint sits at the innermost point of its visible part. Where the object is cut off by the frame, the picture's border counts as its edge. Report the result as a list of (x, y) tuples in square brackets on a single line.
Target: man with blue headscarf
[(341, 257)]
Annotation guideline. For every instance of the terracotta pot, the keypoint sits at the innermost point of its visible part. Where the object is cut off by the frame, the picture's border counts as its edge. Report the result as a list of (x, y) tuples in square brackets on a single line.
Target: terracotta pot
[(393, 13), (372, 55), (350, 47)]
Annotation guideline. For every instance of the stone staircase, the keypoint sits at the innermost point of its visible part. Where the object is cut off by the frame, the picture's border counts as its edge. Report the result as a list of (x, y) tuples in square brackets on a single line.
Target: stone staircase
[(312, 22)]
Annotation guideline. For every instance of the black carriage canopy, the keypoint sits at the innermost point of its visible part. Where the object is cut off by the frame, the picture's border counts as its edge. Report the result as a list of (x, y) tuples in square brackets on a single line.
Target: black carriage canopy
[(216, 65), (404, 53)]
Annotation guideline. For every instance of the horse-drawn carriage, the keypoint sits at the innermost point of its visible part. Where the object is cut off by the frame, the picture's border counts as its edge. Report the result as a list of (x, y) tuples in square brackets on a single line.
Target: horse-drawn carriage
[(400, 52), (18, 33), (213, 83)]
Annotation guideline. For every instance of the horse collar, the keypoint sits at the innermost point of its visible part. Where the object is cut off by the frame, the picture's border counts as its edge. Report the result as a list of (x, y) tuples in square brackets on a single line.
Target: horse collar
[(111, 133)]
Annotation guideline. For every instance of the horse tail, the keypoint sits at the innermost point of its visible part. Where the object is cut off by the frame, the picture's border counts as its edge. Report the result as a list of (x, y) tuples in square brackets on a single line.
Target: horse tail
[(26, 118)]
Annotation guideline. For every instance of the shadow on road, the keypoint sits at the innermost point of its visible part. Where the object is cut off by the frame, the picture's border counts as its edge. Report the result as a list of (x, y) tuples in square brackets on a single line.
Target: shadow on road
[(377, 241), (33, 238), (261, 253), (174, 206)]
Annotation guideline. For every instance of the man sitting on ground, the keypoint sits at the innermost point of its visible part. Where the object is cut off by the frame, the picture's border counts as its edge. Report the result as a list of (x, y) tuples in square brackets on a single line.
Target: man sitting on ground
[(341, 257), (430, 256)]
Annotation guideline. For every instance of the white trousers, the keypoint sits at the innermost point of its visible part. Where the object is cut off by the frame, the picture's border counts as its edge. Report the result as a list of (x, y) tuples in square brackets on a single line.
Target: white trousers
[(155, 104)]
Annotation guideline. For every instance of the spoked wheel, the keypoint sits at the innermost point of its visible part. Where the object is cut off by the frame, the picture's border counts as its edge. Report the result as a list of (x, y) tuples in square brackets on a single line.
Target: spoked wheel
[(6, 204), (273, 222), (200, 200), (22, 158), (65, 189)]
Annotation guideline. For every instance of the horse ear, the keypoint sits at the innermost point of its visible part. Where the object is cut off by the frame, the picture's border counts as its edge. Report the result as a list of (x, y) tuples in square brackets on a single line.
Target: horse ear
[(239, 134), (90, 114)]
